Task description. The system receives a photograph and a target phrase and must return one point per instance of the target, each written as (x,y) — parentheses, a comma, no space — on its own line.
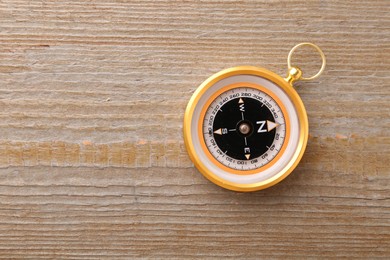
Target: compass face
(244,128)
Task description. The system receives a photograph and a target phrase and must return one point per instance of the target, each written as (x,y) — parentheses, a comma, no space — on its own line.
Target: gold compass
(246,128)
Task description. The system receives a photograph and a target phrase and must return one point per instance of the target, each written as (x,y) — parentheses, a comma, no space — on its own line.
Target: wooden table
(93,165)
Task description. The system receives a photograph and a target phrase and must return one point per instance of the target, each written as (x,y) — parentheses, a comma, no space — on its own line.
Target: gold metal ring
(319,51)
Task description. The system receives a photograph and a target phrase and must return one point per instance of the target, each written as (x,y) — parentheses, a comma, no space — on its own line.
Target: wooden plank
(92,160)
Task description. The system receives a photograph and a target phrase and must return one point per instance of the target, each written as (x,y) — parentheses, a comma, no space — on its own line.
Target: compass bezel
(287,89)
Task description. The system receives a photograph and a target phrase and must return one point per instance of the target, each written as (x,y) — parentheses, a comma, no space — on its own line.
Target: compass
(246,128)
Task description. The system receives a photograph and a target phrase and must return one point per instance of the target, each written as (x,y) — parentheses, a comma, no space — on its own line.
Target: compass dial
(244,128)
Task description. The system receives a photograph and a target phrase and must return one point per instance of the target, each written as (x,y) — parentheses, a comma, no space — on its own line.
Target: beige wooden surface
(92,161)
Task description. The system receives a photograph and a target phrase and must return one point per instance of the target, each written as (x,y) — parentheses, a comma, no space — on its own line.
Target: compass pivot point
(244,128)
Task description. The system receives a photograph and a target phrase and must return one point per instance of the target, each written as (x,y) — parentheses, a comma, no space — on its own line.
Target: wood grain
(92,160)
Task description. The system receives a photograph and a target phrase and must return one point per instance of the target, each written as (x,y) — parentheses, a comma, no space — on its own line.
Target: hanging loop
(294,73)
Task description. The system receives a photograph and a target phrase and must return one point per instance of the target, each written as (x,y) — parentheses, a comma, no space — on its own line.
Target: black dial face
(244,118)
(244,128)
